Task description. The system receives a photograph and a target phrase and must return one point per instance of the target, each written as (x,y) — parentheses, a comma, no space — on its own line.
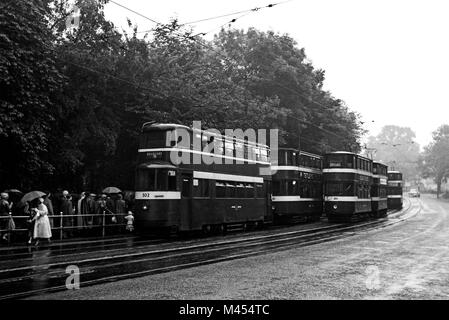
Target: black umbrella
(30,196)
(111,190)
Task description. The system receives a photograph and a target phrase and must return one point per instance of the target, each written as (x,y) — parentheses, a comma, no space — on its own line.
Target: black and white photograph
(224,155)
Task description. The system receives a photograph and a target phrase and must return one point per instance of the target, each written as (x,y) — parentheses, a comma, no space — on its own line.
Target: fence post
(104,222)
(60,226)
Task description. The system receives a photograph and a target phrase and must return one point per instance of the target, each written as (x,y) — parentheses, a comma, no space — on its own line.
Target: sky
(387,59)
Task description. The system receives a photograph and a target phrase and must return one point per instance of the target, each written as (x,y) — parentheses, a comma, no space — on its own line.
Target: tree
(395,146)
(28,85)
(435,162)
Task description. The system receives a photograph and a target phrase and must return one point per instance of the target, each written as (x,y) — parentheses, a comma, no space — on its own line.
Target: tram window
(220,189)
(239,150)
(218,145)
(292,187)
(240,190)
(230,189)
(260,190)
(339,189)
(276,188)
(186,188)
(249,190)
(202,188)
(229,148)
(264,154)
(153,139)
(146,179)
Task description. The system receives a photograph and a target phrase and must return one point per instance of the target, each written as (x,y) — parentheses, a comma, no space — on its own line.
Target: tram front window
(339,189)
(153,139)
(156,180)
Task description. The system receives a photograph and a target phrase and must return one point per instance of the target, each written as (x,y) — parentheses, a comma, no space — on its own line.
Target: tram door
(185,208)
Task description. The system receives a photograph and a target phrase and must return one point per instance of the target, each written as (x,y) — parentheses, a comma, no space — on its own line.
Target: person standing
(5,214)
(79,211)
(67,210)
(30,212)
(42,228)
(49,205)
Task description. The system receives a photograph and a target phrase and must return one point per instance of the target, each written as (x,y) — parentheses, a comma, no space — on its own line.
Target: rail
(69,225)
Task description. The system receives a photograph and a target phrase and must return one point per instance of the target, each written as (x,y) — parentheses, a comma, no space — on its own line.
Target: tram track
(46,277)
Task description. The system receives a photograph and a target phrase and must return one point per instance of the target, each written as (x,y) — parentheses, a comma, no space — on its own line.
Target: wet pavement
(409,260)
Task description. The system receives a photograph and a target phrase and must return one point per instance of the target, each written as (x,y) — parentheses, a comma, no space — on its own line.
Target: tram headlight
(144,208)
(335,207)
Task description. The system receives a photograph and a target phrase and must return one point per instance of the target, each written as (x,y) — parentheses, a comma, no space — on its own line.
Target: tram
(297,187)
(347,179)
(394,190)
(187,186)
(379,200)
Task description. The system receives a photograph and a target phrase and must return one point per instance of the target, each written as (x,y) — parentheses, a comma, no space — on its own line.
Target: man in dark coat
(67,210)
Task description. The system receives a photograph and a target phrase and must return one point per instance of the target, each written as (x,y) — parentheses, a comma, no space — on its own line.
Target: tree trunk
(438,188)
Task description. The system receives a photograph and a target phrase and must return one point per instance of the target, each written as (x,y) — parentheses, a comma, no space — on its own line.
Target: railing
(62,218)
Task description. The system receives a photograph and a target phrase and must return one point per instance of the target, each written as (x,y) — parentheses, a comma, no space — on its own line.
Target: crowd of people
(81,214)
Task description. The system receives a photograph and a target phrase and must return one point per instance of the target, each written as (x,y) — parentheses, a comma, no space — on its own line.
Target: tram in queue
(394,190)
(297,187)
(347,179)
(379,200)
(206,189)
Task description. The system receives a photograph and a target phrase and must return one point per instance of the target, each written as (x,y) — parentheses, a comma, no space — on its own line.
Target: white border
(292,198)
(295,168)
(345,199)
(227,177)
(157,195)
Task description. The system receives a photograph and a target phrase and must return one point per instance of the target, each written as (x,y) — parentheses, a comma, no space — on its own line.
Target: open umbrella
(30,196)
(111,190)
(13,191)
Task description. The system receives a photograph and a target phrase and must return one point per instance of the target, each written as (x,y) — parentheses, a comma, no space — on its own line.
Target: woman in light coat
(42,228)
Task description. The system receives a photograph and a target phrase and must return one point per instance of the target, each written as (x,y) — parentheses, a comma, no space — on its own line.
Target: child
(130,219)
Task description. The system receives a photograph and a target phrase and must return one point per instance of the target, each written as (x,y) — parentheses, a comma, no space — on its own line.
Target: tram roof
(150,126)
(157,165)
(393,171)
(381,163)
(350,153)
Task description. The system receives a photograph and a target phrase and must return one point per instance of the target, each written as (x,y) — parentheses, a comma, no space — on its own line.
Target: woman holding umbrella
(42,228)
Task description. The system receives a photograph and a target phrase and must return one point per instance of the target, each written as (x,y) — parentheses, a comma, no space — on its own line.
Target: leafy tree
(28,84)
(395,146)
(435,162)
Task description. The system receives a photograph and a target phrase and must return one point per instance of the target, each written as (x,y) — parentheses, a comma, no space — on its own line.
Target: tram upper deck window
(156,180)
(153,139)
(340,161)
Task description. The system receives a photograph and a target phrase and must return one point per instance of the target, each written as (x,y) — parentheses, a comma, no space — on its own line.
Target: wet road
(409,260)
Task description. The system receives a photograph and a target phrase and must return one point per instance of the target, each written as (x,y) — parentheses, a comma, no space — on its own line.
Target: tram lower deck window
(339,189)
(156,180)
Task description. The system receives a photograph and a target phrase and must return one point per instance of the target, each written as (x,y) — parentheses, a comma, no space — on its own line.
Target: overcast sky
(388,60)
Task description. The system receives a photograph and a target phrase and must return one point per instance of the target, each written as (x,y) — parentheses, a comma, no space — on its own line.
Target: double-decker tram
(189,179)
(394,190)
(347,179)
(379,190)
(297,186)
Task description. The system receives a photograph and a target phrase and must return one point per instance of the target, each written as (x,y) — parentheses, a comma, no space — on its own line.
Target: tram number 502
(243,309)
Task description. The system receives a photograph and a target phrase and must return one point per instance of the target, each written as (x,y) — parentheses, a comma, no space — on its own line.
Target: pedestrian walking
(42,228)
